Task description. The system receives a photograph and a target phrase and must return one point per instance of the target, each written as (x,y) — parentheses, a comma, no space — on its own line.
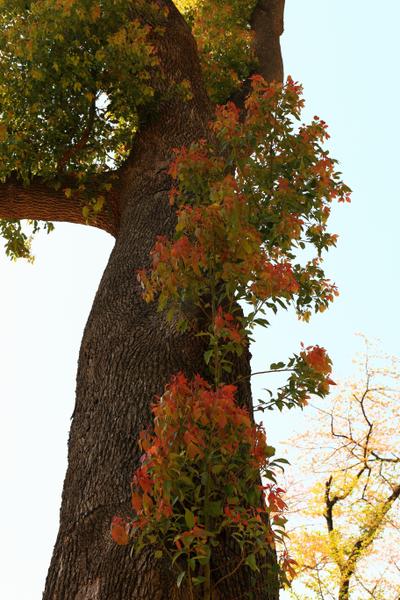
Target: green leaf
(189,518)
(208,356)
(281,460)
(185,480)
(203,560)
(179,579)
(170,314)
(269,451)
(217,469)
(176,556)
(229,490)
(213,509)
(98,205)
(251,562)
(275,366)
(261,322)
(253,497)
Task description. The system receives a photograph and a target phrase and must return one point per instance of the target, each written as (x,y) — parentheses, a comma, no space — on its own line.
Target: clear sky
(346,54)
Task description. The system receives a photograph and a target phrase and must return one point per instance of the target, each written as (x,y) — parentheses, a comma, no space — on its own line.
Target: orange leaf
(120,531)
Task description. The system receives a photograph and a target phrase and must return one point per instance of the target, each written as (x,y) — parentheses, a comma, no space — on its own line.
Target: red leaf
(120,531)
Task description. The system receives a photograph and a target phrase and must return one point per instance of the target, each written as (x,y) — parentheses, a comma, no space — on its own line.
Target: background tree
(346,539)
(94,98)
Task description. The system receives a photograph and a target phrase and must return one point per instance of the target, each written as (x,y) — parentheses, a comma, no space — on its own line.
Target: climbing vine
(250,200)
(200,479)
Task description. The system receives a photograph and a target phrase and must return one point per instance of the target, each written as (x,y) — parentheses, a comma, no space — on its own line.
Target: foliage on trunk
(95,99)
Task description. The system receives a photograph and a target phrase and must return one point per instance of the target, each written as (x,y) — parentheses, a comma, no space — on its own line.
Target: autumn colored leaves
(250,201)
(200,477)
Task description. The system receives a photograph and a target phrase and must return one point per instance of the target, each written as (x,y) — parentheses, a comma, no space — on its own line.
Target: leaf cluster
(73,75)
(199,481)
(249,203)
(225,42)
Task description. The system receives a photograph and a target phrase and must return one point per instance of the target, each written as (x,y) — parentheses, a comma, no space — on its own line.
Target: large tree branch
(267,24)
(41,202)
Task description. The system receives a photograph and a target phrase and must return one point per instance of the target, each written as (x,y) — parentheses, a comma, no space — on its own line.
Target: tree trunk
(128,353)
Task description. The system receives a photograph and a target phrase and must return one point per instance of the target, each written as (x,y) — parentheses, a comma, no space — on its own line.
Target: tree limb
(267,24)
(40,202)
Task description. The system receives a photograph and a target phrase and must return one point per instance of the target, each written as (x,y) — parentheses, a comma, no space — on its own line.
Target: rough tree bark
(128,351)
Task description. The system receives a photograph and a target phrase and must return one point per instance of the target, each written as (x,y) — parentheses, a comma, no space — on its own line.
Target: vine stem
(217,362)
(207,568)
(191,595)
(230,573)
(207,583)
(264,373)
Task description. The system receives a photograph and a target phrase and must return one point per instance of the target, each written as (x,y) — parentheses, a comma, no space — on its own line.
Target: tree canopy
(79,76)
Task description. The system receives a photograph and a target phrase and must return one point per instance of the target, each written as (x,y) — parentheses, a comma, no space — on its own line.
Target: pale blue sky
(346,53)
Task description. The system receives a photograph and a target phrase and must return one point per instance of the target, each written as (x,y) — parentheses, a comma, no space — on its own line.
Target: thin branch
(320,584)
(263,373)
(384,458)
(364,587)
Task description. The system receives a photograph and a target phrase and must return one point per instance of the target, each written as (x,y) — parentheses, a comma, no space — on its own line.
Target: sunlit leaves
(72,77)
(224,39)
(309,374)
(18,237)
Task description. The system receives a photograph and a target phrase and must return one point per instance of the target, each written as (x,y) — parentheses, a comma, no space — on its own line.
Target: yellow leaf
(3,132)
(95,12)
(98,205)
(36,74)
